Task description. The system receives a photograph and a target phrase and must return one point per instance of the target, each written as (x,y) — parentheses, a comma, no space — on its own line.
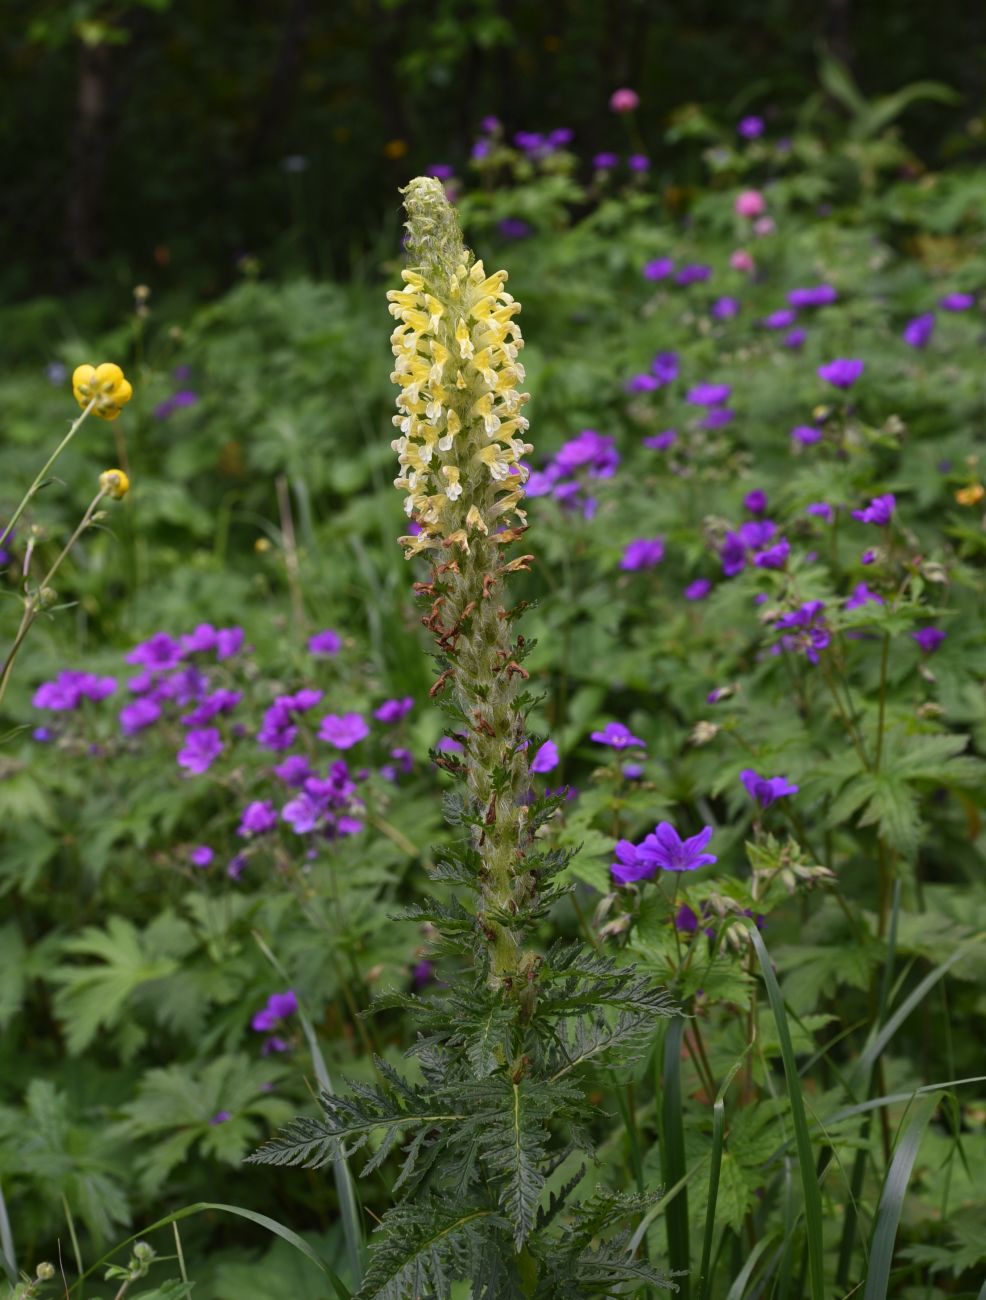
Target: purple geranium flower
(717,418)
(841,373)
(661,441)
(638,162)
(258,818)
(805,629)
(750,128)
(795,338)
(294,771)
(138,715)
(70,688)
(698,590)
(929,639)
(779,320)
(725,308)
(160,652)
(664,367)
(918,332)
(201,856)
(546,759)
(879,511)
(658,269)
(221,1117)
(325,643)
(343,730)
(394,710)
(667,850)
(201,749)
(773,557)
(806,435)
(818,295)
(616,735)
(605,161)
(821,510)
(693,273)
(708,394)
(957,302)
(644,553)
(279,1007)
(630,865)
(755,501)
(861,595)
(765,789)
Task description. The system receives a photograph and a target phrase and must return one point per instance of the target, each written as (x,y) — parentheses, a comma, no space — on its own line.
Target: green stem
(31,605)
(39,479)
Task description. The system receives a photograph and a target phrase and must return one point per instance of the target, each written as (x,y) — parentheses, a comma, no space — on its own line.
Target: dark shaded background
(169,137)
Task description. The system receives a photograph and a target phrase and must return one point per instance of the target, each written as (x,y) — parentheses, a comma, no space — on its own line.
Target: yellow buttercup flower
(114,483)
(970,496)
(105,385)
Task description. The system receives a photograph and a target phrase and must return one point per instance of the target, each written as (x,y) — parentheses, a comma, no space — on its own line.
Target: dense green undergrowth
(820,1105)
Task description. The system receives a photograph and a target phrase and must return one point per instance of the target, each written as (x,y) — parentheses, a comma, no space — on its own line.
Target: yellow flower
(103,385)
(970,496)
(114,482)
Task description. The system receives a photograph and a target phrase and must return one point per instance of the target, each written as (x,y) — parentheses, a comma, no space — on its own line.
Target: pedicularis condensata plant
(497,1128)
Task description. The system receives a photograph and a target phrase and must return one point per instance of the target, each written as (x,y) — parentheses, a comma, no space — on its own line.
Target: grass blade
(806,1164)
(884,1234)
(737,1290)
(278,1229)
(673,1156)
(352,1226)
(881,1037)
(7,1256)
(718,1139)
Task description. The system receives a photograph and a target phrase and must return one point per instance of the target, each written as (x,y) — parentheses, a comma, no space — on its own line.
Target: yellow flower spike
(971,495)
(114,483)
(105,386)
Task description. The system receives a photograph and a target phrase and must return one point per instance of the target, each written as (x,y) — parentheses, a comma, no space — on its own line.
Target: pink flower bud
(750,203)
(624,100)
(741,260)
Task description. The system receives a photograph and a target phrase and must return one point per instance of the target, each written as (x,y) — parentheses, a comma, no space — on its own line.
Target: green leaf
(884,1235)
(95,996)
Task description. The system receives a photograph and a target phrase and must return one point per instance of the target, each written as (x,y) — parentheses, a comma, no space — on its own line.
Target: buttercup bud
(114,483)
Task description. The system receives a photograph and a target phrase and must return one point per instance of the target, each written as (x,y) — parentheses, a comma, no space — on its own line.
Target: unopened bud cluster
(459,409)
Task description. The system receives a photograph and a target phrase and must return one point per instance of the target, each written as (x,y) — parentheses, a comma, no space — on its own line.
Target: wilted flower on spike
(105,386)
(460,421)
(114,483)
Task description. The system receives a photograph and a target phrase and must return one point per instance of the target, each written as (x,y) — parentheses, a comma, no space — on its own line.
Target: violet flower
(325,643)
(665,848)
(201,749)
(917,332)
(343,730)
(879,511)
(644,553)
(862,595)
(841,373)
(819,295)
(617,736)
(546,758)
(764,790)
(929,639)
